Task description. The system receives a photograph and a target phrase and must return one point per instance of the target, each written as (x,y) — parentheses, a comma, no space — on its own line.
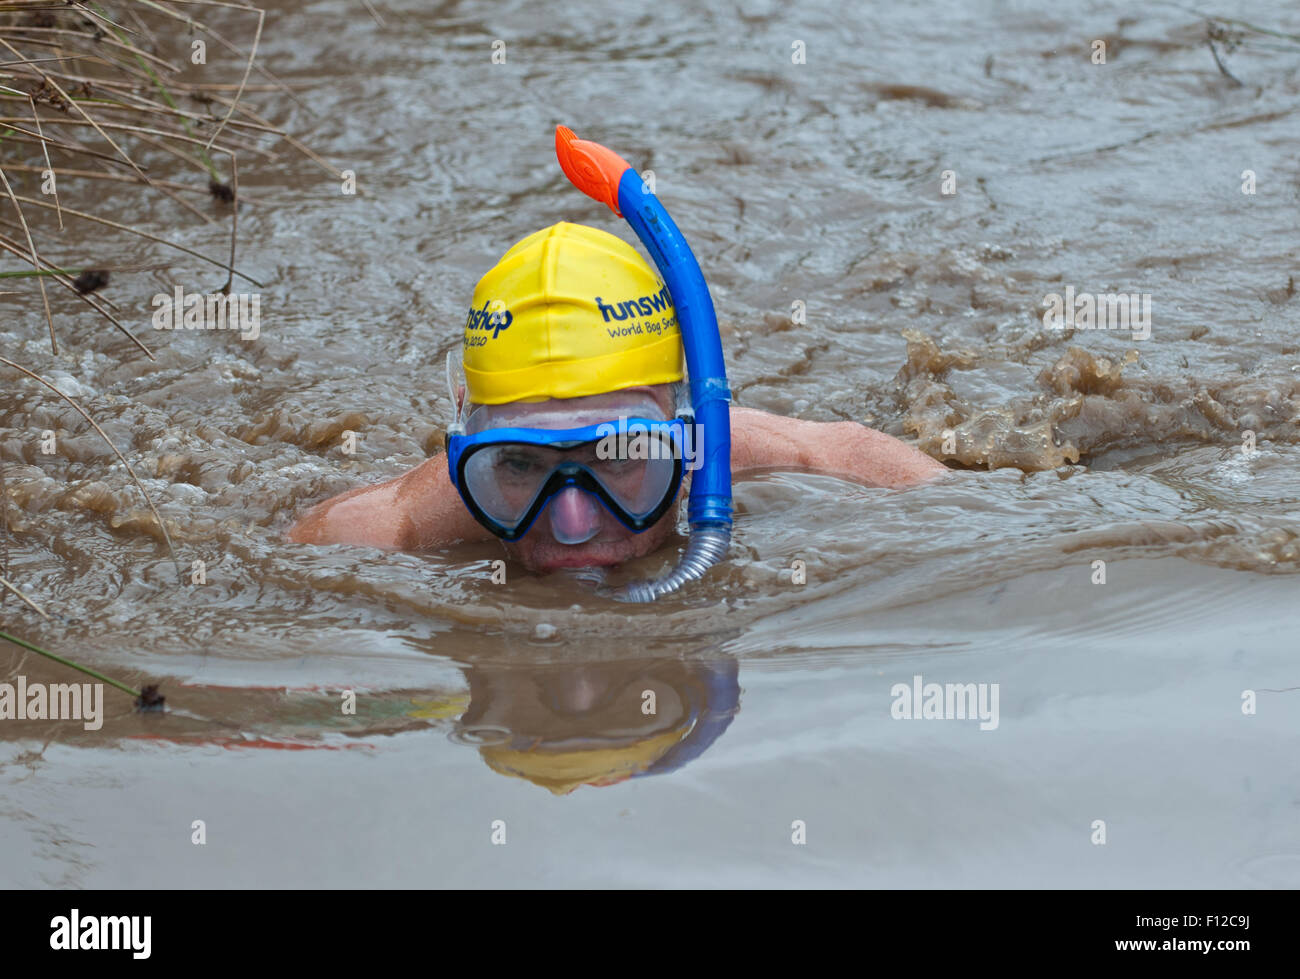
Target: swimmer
(572,338)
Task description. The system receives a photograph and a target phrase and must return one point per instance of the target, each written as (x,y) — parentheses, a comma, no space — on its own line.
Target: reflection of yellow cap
(564,771)
(452,705)
(569,311)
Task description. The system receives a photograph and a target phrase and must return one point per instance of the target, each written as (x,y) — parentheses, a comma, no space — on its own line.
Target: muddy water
(774,679)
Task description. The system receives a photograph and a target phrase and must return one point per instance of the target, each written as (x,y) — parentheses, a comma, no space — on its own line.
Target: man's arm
(419,509)
(760,440)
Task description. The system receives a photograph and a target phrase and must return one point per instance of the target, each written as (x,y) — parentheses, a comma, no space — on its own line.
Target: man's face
(575,530)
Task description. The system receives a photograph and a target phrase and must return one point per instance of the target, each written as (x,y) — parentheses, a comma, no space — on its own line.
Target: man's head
(571,329)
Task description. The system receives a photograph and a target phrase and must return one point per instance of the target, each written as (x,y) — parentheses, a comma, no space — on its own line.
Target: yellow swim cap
(564,771)
(570,311)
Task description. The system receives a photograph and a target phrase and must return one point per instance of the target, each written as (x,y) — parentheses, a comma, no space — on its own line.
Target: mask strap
(682,406)
(456,392)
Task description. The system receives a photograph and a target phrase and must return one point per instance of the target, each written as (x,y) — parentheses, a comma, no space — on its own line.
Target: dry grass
(93,96)
(87,96)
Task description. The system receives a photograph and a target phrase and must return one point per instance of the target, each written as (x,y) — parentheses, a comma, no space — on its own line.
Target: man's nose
(575,516)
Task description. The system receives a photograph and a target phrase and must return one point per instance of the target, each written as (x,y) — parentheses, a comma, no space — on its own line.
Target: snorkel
(604,176)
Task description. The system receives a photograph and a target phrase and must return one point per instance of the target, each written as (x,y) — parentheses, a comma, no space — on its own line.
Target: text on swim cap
(642,306)
(493,316)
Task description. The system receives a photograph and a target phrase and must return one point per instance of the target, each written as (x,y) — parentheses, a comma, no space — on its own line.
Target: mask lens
(637,470)
(505,479)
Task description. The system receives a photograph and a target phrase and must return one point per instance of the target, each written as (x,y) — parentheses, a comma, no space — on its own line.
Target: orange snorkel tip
(592,168)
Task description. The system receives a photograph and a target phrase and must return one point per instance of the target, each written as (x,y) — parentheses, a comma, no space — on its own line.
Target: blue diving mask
(510,462)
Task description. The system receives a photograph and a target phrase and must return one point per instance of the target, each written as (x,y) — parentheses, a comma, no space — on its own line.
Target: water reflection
(563,726)
(558,725)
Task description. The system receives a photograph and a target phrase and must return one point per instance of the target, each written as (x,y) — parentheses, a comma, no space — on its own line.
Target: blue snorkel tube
(604,176)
